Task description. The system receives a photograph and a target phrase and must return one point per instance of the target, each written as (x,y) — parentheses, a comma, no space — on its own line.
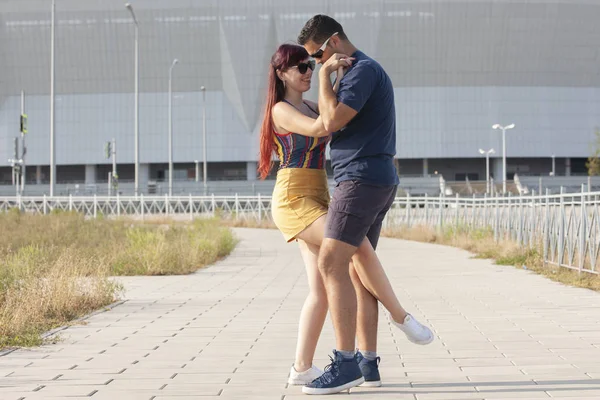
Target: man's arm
(335,115)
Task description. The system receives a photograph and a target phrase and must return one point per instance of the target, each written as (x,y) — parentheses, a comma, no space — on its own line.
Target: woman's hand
(338,78)
(336,62)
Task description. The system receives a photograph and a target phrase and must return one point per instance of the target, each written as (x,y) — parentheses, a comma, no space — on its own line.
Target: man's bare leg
(334,258)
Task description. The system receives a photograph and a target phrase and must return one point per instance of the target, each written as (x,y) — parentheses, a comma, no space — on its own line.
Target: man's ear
(335,41)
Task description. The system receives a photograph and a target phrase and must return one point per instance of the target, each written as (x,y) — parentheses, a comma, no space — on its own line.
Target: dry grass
(481,243)
(242,223)
(34,301)
(56,268)
(172,249)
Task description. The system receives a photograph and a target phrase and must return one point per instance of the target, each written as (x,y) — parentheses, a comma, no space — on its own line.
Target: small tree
(593,162)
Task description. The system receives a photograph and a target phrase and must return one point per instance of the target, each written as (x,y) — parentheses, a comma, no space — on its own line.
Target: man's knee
(331,263)
(334,257)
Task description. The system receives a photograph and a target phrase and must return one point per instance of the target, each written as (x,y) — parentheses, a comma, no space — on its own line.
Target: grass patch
(56,268)
(481,243)
(172,249)
(243,223)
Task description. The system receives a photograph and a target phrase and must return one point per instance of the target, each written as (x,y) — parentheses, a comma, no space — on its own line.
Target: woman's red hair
(286,56)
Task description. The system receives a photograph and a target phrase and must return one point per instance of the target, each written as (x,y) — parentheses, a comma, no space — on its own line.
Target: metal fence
(566,227)
(415,185)
(251,208)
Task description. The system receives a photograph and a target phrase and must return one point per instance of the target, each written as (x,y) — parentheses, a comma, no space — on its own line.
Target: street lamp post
(204,168)
(52,100)
(197,170)
(487,167)
(136,130)
(24,148)
(175,61)
(553,165)
(504,129)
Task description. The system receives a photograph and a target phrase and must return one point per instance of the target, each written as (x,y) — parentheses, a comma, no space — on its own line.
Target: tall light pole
(52,100)
(175,61)
(487,167)
(136,130)
(504,129)
(203,89)
(24,149)
(553,165)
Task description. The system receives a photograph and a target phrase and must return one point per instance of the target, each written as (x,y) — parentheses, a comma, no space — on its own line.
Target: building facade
(458,67)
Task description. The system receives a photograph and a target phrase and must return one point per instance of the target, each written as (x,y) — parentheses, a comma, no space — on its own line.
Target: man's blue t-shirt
(364,149)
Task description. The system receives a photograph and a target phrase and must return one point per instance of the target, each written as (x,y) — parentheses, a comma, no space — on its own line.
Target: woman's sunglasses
(303,67)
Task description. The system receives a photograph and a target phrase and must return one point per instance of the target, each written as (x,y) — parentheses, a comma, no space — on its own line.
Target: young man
(363,117)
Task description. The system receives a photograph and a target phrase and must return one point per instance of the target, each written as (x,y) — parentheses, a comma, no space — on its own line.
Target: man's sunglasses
(319,53)
(303,67)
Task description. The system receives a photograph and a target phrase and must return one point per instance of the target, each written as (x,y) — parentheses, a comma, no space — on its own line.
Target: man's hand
(336,62)
(334,115)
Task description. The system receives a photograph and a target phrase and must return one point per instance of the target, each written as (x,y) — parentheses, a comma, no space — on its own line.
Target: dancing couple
(338,236)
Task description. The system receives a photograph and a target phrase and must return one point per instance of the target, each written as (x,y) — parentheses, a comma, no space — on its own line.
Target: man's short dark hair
(319,28)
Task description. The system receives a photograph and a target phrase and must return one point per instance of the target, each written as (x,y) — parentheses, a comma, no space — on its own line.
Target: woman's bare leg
(372,286)
(368,268)
(314,311)
(373,277)
(367,315)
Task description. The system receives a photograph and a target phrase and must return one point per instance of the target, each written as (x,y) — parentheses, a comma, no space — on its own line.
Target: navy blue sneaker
(370,370)
(342,374)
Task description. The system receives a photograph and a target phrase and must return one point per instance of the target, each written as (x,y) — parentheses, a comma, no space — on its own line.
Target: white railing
(565,226)
(239,207)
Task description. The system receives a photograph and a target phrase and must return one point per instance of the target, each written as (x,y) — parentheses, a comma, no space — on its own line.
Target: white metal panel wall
(458,67)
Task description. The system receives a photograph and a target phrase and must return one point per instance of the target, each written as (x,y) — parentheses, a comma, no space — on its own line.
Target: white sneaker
(414,330)
(304,378)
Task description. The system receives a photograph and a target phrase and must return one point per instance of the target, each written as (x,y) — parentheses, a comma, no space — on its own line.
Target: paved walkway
(228,332)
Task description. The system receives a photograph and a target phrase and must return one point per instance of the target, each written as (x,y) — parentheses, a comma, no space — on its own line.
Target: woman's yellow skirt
(300,197)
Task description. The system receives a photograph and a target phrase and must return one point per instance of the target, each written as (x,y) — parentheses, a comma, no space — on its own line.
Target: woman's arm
(338,78)
(291,120)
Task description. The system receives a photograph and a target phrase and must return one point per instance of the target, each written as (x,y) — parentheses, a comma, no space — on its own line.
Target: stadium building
(458,67)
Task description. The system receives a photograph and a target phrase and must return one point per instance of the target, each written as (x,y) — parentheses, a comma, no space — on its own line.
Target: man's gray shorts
(357,210)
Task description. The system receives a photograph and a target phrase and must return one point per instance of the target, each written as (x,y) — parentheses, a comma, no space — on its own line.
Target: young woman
(293,130)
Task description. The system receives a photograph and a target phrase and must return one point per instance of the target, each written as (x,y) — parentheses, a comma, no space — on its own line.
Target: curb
(54,331)
(6,352)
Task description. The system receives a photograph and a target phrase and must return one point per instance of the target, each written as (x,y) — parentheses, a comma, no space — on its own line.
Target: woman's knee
(318,297)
